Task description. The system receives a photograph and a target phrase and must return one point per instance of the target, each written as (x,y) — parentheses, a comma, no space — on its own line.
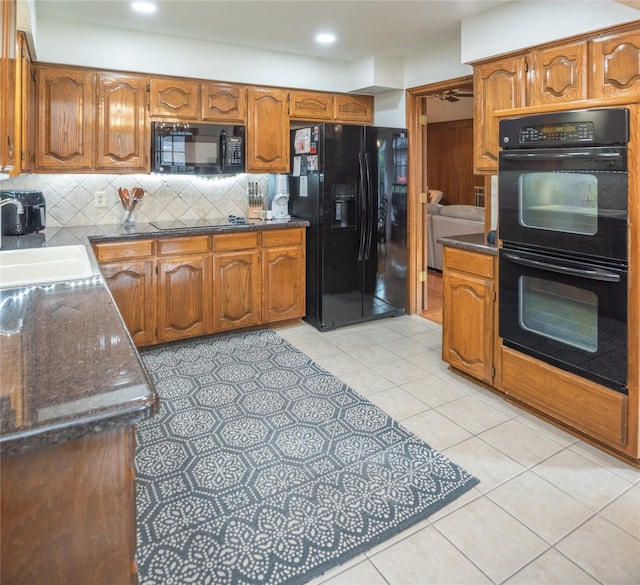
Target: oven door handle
(548,155)
(591,273)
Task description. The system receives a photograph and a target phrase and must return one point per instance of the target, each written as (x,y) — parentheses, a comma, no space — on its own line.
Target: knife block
(255,212)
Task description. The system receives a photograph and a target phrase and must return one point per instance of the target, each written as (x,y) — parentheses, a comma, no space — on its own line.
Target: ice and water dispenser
(344,206)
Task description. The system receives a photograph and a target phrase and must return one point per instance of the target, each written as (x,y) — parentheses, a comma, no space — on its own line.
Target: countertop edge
(472,242)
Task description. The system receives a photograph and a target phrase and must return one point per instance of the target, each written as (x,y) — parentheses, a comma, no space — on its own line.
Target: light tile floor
(549,508)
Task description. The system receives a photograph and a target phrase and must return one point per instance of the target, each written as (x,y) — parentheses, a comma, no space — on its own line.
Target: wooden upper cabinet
(615,65)
(498,85)
(268,130)
(8,153)
(121,131)
(558,74)
(66,119)
(223,102)
(357,109)
(174,98)
(28,106)
(314,105)
(311,105)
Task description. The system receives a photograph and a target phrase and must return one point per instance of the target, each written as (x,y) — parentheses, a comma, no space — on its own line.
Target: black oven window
(565,313)
(562,202)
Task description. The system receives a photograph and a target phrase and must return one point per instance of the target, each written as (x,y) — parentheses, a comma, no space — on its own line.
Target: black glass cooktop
(191,224)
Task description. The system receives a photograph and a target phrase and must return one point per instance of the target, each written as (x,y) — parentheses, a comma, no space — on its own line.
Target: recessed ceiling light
(326,38)
(145,7)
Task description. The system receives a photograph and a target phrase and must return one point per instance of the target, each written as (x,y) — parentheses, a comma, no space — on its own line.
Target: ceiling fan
(452,95)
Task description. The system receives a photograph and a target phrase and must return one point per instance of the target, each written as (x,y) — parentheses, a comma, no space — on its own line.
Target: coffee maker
(278,199)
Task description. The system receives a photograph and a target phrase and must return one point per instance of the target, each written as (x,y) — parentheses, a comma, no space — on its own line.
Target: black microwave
(197,149)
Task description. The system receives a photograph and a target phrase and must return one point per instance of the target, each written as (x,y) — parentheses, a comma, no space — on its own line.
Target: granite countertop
(69,366)
(472,242)
(62,236)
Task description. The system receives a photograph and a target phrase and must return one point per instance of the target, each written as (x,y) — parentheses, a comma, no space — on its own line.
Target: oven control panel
(592,127)
(580,132)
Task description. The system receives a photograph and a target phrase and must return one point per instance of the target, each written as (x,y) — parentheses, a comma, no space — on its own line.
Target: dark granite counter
(63,236)
(69,366)
(472,242)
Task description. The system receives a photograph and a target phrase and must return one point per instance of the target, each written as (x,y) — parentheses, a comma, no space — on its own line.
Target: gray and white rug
(262,468)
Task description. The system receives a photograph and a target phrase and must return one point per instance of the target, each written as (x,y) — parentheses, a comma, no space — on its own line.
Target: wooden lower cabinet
(236,297)
(132,286)
(236,278)
(184,297)
(68,512)
(174,288)
(283,275)
(468,312)
(129,271)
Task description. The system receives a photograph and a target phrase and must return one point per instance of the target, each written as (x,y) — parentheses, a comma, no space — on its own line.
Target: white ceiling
(380,28)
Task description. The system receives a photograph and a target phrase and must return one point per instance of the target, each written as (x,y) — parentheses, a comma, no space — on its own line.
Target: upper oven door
(573,200)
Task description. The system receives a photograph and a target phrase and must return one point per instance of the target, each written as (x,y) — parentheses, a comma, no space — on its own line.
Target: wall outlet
(100,198)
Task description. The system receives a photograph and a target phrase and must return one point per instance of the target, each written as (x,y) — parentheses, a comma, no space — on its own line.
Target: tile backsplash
(71,198)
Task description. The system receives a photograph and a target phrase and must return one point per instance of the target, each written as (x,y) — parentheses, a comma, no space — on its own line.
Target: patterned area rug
(263,468)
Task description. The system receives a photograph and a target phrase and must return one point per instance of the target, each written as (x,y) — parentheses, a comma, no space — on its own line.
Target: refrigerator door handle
(363,206)
(369,196)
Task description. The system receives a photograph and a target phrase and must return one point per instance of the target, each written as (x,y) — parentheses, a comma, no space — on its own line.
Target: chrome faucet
(15,202)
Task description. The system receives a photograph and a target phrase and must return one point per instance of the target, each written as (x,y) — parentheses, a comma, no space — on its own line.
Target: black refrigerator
(350,183)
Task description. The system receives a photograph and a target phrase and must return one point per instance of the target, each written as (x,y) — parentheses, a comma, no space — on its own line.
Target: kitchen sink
(39,265)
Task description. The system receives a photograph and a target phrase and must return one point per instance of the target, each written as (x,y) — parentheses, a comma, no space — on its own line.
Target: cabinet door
(268,130)
(283,283)
(28,105)
(558,74)
(357,109)
(499,85)
(615,65)
(184,296)
(174,98)
(121,129)
(132,284)
(236,289)
(8,87)
(224,103)
(66,119)
(467,324)
(311,105)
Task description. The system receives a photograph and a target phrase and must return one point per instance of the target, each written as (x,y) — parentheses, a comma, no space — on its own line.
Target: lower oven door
(568,313)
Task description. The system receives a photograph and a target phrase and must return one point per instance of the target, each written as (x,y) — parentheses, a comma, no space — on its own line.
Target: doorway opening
(440,119)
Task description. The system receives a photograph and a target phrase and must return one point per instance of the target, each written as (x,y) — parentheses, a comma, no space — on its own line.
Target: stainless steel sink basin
(39,265)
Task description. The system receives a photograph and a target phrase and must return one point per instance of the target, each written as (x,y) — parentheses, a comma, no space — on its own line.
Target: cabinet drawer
(466,261)
(282,237)
(109,251)
(183,245)
(237,241)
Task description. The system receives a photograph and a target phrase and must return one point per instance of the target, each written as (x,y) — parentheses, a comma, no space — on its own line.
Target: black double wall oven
(563,222)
